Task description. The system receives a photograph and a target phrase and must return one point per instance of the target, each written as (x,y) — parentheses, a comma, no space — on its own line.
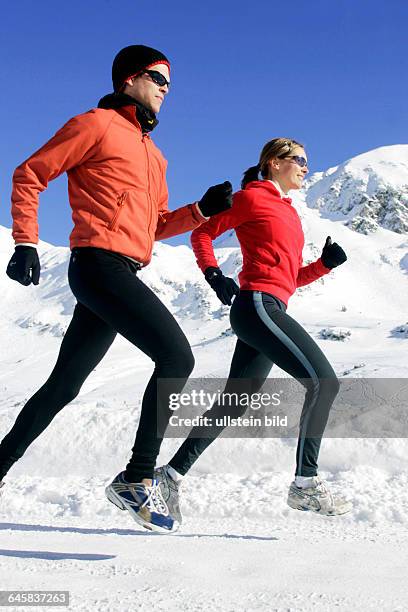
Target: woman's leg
(261,321)
(85,343)
(105,283)
(247,363)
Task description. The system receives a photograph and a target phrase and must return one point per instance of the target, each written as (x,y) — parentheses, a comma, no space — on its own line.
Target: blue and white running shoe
(144,503)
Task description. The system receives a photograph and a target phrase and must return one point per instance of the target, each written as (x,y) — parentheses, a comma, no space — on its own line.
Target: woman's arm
(313,271)
(331,257)
(203,236)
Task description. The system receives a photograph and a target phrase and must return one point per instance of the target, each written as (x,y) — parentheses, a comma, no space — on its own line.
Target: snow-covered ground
(240,546)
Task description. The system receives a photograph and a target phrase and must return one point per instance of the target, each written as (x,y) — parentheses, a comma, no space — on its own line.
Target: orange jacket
(116,183)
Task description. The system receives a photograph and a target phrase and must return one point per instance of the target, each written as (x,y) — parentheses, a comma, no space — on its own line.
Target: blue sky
(332,74)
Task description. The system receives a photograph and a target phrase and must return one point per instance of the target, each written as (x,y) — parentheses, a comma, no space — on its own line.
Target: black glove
(332,254)
(216,199)
(224,287)
(24,261)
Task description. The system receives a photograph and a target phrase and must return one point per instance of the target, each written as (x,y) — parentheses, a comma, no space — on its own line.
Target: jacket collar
(270,187)
(278,187)
(131,109)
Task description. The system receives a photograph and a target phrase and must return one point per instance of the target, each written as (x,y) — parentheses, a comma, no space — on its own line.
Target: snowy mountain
(234,500)
(367,191)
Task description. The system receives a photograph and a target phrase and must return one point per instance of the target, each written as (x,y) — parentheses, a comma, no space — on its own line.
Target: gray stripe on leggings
(284,338)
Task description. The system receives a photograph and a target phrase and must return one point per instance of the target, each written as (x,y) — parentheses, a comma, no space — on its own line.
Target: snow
(267,558)
(240,546)
(377,167)
(369,191)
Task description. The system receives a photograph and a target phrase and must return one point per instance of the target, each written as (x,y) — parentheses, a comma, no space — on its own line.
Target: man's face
(146,91)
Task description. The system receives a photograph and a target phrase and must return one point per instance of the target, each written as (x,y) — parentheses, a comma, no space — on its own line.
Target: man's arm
(174,222)
(71,145)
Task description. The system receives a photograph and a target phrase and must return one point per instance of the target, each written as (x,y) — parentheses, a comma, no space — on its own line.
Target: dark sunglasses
(298,159)
(157,78)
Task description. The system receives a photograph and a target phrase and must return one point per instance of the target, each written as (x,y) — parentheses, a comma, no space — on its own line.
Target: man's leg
(85,343)
(108,287)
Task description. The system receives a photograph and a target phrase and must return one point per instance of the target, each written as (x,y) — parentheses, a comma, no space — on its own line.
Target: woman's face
(287,172)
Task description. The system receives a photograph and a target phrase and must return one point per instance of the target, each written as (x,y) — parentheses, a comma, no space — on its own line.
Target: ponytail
(278,147)
(252,174)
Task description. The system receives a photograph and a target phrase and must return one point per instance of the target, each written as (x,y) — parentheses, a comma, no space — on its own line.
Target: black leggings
(267,335)
(111,300)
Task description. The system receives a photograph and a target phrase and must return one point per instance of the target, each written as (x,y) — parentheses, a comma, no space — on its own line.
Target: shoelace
(322,487)
(154,500)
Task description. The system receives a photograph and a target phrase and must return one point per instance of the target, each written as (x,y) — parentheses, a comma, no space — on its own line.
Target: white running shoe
(144,503)
(170,491)
(317,498)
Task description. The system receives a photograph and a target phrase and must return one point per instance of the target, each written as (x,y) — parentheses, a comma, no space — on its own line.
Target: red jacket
(116,183)
(271,237)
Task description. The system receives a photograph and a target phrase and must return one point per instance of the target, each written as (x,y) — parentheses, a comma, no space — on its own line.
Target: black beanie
(133,59)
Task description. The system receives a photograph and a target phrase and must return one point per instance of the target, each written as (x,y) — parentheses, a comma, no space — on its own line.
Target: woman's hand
(24,267)
(224,287)
(332,254)
(216,199)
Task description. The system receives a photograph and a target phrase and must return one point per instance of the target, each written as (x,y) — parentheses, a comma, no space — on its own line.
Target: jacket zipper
(148,195)
(120,205)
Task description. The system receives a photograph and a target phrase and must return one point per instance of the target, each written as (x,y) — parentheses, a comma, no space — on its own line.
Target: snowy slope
(369,191)
(241,548)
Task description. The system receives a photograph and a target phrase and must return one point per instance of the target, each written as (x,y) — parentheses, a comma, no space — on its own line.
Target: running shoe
(317,498)
(170,491)
(144,503)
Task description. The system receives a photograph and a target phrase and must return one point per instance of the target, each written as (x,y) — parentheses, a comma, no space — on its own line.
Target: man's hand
(216,199)
(332,254)
(224,287)
(24,267)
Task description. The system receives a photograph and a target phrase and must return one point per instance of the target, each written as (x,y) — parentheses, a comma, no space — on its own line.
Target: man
(118,195)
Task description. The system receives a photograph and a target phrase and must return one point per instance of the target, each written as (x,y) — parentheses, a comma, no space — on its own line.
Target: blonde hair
(277,147)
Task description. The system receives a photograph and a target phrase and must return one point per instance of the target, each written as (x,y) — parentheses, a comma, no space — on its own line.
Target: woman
(118,194)
(271,238)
